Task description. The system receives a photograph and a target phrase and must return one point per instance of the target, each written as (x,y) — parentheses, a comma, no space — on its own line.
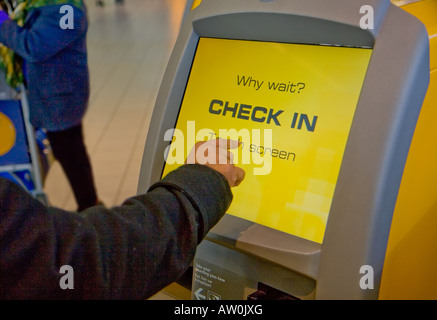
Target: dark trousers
(69,149)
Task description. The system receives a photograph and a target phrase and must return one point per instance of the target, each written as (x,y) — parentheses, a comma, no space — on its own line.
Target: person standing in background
(51,40)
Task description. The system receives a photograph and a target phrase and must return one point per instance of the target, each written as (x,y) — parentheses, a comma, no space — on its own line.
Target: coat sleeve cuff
(207,190)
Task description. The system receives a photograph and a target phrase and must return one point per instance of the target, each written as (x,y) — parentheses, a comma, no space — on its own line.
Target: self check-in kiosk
(325,96)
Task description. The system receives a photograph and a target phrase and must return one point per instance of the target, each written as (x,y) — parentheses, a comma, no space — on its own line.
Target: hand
(216,155)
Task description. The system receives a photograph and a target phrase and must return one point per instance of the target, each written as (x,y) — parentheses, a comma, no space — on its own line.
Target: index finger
(227,143)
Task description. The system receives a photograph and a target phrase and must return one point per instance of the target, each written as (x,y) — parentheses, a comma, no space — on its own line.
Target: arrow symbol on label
(198,294)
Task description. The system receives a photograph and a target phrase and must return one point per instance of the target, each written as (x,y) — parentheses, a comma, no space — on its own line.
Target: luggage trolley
(25,154)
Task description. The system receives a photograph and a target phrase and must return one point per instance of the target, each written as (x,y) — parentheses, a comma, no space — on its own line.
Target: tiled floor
(129,46)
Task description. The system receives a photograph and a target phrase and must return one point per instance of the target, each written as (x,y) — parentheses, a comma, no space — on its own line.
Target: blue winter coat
(56,65)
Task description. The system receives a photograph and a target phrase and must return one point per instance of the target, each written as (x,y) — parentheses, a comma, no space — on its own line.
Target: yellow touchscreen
(292,107)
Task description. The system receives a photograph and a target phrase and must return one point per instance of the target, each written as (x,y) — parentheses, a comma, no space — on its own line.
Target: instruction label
(211,282)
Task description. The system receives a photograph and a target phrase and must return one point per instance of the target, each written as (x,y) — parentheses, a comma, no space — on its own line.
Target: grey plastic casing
(359,222)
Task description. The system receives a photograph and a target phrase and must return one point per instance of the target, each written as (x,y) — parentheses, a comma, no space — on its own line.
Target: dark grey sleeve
(126,252)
